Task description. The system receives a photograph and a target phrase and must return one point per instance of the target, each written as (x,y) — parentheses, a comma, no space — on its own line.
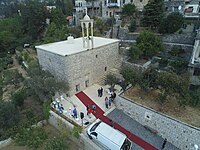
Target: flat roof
(64,48)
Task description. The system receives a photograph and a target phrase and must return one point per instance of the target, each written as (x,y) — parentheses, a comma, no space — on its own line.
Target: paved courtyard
(115,114)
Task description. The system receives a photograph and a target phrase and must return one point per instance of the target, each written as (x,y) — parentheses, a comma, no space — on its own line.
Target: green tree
(131,76)
(128,10)
(171,23)
(34,15)
(9,117)
(42,84)
(57,17)
(149,44)
(132,26)
(135,53)
(111,80)
(100,25)
(173,84)
(55,34)
(32,137)
(66,6)
(176,51)
(153,13)
(11,34)
(19,97)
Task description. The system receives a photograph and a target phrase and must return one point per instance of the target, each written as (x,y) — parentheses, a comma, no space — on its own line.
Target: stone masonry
(86,66)
(178,133)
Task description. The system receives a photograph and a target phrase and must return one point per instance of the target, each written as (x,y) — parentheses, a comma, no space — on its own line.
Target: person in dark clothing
(101,92)
(164,143)
(114,95)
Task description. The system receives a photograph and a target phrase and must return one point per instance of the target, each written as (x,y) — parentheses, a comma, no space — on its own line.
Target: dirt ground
(171,108)
(52,132)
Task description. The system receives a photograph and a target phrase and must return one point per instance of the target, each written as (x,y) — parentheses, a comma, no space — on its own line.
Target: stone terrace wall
(168,38)
(83,141)
(179,38)
(178,133)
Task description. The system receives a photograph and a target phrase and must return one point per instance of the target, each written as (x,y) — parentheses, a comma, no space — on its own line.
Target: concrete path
(136,128)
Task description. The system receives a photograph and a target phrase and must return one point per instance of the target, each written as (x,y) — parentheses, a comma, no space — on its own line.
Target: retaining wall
(178,133)
(83,141)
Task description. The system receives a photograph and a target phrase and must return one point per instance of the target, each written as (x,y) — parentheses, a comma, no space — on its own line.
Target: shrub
(135,53)
(76,131)
(19,97)
(57,143)
(32,137)
(132,26)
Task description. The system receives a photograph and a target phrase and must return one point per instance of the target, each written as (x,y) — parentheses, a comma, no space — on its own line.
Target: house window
(96,56)
(105,68)
(140,0)
(123,1)
(110,14)
(106,13)
(105,3)
(77,87)
(131,1)
(86,83)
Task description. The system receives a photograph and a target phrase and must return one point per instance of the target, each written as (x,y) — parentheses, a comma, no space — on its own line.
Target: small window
(131,1)
(77,87)
(105,68)
(110,14)
(105,3)
(106,13)
(96,56)
(123,1)
(140,0)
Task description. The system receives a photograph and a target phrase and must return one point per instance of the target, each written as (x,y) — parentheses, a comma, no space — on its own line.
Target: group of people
(100,92)
(58,106)
(109,101)
(73,112)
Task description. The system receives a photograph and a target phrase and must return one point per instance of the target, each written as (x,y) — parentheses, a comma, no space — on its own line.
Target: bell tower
(87,31)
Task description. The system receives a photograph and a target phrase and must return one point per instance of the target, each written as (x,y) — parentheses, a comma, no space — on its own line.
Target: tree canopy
(42,84)
(9,116)
(128,9)
(153,13)
(171,23)
(34,15)
(149,44)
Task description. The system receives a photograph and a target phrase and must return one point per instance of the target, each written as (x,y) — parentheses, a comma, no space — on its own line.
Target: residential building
(82,6)
(82,61)
(194,64)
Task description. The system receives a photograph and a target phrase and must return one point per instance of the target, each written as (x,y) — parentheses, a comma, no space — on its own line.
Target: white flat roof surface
(66,48)
(109,132)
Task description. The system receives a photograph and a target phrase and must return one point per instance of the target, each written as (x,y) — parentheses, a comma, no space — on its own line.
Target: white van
(108,137)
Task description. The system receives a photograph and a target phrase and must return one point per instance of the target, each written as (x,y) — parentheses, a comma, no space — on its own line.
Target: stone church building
(82,61)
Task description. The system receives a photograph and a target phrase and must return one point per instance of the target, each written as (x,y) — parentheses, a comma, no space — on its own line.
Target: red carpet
(99,114)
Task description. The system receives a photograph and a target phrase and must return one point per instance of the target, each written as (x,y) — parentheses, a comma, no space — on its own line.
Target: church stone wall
(54,63)
(77,68)
(90,65)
